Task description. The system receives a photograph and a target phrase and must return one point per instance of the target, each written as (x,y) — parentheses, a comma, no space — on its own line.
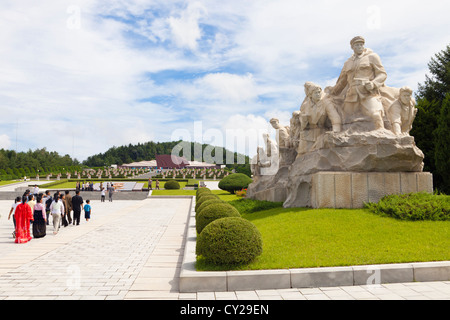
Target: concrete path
(134,250)
(22,184)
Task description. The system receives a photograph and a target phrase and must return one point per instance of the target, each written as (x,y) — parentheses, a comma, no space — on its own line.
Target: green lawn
(224,195)
(6,182)
(300,238)
(62,185)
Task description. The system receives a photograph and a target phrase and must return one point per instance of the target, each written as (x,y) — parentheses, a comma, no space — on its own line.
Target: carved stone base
(353,189)
(378,151)
(271,194)
(343,170)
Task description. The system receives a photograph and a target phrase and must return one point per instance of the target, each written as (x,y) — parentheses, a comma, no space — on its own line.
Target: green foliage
(206,203)
(17,165)
(232,240)
(201,191)
(213,212)
(31,161)
(413,206)
(437,85)
(426,120)
(130,153)
(234,182)
(50,185)
(243,168)
(442,146)
(200,199)
(245,206)
(432,120)
(172,185)
(148,150)
(309,238)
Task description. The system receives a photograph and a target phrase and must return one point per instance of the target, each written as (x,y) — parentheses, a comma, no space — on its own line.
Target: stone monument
(348,144)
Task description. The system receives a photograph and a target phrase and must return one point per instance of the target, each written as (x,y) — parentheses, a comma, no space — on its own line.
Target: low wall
(352,189)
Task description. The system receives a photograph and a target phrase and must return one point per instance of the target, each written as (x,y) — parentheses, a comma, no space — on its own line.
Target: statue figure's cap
(357,39)
(406,89)
(310,86)
(274,120)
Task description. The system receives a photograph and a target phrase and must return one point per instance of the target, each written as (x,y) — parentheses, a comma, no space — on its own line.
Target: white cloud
(5,141)
(243,133)
(228,87)
(185,29)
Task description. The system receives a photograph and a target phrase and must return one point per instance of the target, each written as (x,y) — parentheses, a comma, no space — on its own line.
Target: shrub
(413,206)
(232,240)
(172,185)
(251,205)
(234,182)
(200,199)
(213,212)
(201,191)
(206,203)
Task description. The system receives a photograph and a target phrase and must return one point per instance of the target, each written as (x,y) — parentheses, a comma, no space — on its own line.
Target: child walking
(87,210)
(103,194)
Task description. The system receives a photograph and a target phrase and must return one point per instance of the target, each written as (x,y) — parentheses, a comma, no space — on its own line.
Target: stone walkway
(133,250)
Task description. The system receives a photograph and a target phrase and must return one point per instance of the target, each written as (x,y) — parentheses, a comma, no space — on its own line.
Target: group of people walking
(35,209)
(150,184)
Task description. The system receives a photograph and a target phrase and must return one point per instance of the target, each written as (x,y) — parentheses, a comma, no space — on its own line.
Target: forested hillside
(14,165)
(148,151)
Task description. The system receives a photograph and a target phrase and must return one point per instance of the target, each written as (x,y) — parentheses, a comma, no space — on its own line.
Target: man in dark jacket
(77,206)
(68,205)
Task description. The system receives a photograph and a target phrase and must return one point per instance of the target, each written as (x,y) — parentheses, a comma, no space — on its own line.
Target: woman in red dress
(23,215)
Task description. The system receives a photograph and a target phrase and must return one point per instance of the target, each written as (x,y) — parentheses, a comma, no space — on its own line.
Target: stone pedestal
(353,189)
(275,194)
(270,187)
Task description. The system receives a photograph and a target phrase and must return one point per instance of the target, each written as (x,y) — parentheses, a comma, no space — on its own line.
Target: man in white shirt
(36,190)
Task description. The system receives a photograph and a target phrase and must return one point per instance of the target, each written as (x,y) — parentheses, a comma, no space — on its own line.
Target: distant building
(201,165)
(167,161)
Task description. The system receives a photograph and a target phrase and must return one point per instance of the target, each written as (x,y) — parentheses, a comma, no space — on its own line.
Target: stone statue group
(360,101)
(358,125)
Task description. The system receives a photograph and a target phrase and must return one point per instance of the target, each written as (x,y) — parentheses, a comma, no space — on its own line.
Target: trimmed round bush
(171,185)
(206,203)
(235,182)
(201,191)
(213,212)
(204,197)
(232,240)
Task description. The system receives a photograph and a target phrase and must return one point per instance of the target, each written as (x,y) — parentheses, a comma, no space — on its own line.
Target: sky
(81,76)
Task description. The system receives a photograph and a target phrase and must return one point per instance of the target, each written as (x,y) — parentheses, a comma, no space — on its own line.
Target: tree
(432,121)
(148,151)
(426,119)
(235,182)
(437,86)
(442,146)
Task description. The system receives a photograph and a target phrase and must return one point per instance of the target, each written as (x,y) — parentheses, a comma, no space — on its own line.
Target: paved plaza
(133,249)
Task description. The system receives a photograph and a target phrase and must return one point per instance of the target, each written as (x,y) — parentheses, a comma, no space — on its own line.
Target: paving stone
(317,296)
(247,295)
(206,296)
